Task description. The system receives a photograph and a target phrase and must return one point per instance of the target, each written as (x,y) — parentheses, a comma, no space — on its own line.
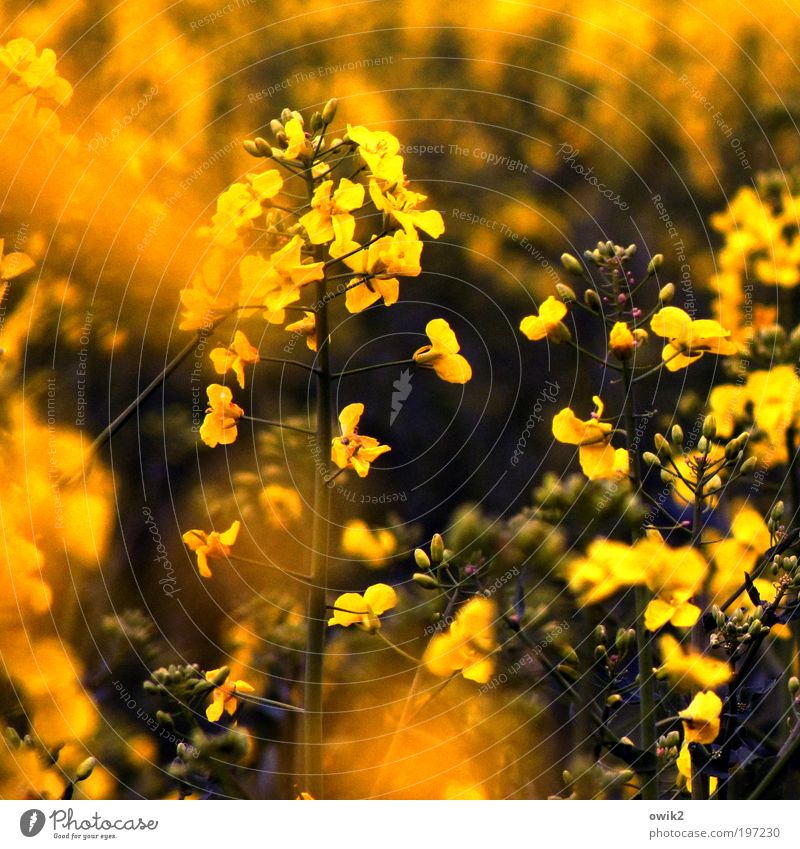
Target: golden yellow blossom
(282,504)
(597,457)
(36,71)
(442,354)
(363,610)
(220,426)
(689,669)
(240,354)
(684,764)
(239,205)
(299,144)
(306,326)
(548,323)
(223,698)
(276,282)
(211,546)
(701,719)
(688,339)
(327,205)
(399,204)
(12,265)
(621,341)
(351,450)
(380,150)
(373,547)
(468,644)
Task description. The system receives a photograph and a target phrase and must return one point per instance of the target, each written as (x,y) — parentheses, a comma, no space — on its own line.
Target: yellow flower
(239,205)
(738,553)
(220,424)
(691,670)
(701,719)
(240,353)
(282,504)
(548,323)
(606,568)
(621,341)
(686,464)
(597,457)
(351,450)
(363,610)
(380,151)
(381,262)
(302,796)
(211,546)
(468,644)
(373,547)
(326,205)
(12,265)
(306,326)
(36,72)
(674,608)
(275,283)
(223,698)
(442,354)
(689,339)
(400,204)
(299,146)
(684,764)
(208,297)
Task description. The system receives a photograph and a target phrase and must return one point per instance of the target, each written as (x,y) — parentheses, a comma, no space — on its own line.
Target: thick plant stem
(644,649)
(313,737)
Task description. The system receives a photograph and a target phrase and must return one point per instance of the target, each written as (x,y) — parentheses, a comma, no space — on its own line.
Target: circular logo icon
(31,822)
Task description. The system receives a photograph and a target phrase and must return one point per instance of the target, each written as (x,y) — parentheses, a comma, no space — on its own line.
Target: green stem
(644,648)
(313,736)
(339,374)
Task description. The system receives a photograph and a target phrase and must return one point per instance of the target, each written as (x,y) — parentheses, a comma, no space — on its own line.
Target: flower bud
(663,448)
(329,112)
(613,700)
(566,293)
(676,435)
(778,510)
(654,264)
(315,123)
(427,582)
(592,300)
(421,559)
(794,686)
(250,147)
(85,769)
(702,445)
(621,341)
(666,477)
(221,677)
(572,265)
(437,548)
(651,459)
(276,127)
(710,427)
(666,293)
(749,465)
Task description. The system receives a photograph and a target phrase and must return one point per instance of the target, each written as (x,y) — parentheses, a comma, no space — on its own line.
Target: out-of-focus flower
(223,698)
(701,719)
(282,504)
(597,457)
(363,610)
(772,399)
(688,339)
(327,205)
(686,465)
(12,265)
(691,669)
(351,450)
(211,545)
(399,204)
(606,568)
(373,547)
(380,151)
(220,426)
(36,71)
(548,323)
(306,326)
(240,354)
(684,764)
(675,609)
(442,354)
(468,644)
(302,796)
(26,773)
(209,294)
